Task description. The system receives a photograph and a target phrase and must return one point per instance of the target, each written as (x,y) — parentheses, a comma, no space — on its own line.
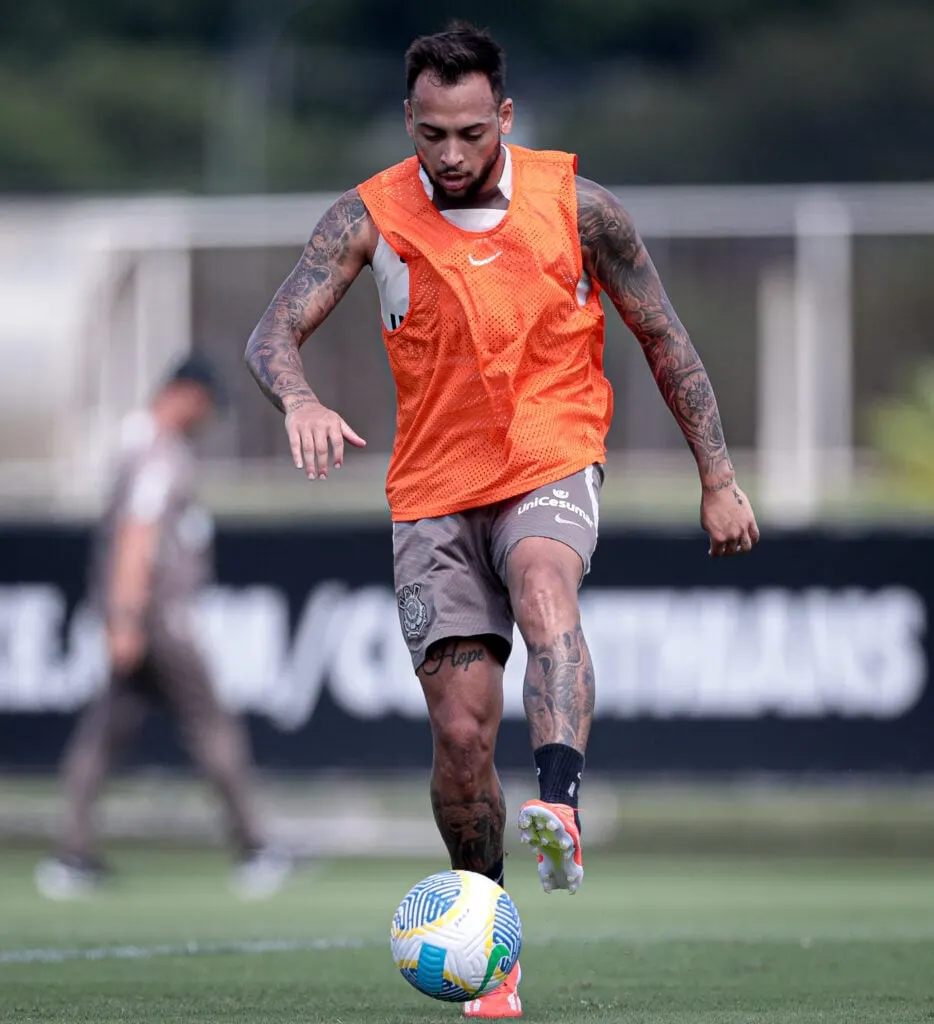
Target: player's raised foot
(69,877)
(552,831)
(501,1002)
(262,873)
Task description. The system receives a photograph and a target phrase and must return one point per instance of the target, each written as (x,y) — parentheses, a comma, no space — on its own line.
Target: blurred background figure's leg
(100,736)
(217,742)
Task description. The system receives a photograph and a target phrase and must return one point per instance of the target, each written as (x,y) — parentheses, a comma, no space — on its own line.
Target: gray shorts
(450,571)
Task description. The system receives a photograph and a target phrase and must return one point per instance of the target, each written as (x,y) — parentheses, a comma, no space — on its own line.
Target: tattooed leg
(559,680)
(559,690)
(471,826)
(463,686)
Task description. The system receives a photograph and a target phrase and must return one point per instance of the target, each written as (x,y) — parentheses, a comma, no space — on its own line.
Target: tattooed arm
(335,254)
(616,258)
(341,244)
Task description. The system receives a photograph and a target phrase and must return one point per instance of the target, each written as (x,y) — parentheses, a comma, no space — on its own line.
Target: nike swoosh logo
(567,522)
(482,263)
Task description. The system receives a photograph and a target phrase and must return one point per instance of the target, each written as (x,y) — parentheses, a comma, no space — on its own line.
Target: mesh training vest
(498,369)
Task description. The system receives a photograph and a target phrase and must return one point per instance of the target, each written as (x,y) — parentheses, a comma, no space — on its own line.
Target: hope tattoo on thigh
(459,657)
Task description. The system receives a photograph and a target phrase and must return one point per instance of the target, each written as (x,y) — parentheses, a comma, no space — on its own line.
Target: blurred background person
(150,559)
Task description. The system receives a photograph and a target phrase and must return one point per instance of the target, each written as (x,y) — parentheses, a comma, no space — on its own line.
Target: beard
(478,185)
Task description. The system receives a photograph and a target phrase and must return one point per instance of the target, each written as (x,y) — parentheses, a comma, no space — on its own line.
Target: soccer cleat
(69,877)
(551,829)
(501,1002)
(262,873)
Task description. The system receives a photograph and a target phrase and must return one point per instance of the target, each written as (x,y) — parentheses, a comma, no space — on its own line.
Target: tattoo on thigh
(455,654)
(472,831)
(559,691)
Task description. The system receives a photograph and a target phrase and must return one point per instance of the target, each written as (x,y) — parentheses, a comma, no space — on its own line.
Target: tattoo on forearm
(317,283)
(559,691)
(472,830)
(615,256)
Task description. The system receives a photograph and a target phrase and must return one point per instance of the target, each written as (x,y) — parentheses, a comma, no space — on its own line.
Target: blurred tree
(902,431)
(293,94)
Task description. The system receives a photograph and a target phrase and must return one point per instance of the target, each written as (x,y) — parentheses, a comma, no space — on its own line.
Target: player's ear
(505,116)
(409,120)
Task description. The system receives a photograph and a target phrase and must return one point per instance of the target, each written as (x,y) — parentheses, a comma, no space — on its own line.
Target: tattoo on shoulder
(330,262)
(320,279)
(339,225)
(605,227)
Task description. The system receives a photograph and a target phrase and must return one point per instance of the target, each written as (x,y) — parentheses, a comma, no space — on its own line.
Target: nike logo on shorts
(568,522)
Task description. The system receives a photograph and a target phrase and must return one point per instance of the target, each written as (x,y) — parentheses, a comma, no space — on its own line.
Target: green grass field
(666,941)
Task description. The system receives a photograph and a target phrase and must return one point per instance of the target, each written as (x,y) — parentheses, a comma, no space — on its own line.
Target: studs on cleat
(548,834)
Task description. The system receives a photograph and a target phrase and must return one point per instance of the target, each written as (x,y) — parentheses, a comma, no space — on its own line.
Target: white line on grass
(923,932)
(57,956)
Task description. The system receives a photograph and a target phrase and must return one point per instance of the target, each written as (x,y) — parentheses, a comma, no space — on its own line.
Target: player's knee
(464,747)
(546,602)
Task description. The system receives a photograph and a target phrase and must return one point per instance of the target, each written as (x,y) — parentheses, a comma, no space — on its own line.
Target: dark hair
(460,50)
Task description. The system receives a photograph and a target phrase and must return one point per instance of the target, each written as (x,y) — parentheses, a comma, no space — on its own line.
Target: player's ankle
(559,767)
(496,873)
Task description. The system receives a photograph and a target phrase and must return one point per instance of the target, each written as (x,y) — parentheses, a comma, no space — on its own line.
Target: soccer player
(489,261)
(151,557)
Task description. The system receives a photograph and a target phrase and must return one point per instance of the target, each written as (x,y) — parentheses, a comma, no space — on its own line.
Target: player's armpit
(615,256)
(341,244)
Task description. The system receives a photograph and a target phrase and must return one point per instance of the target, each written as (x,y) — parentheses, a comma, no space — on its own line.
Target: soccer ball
(456,936)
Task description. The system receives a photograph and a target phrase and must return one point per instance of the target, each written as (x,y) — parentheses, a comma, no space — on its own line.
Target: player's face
(456,130)
(195,407)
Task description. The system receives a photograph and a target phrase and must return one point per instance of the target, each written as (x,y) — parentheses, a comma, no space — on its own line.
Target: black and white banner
(812,654)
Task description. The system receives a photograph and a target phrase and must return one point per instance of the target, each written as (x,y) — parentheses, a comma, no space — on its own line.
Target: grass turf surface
(644,942)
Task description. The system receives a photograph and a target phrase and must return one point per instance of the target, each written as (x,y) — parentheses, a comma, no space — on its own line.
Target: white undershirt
(392,275)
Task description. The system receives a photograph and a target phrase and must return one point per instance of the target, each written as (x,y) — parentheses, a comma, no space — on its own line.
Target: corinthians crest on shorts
(413,611)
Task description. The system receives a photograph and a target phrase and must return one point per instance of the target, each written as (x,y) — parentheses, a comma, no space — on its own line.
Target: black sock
(559,768)
(496,873)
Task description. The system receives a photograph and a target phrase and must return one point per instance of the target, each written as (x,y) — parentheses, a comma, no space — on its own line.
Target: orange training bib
(498,368)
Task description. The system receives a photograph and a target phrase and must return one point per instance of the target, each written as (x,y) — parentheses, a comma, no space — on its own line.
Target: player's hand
(126,645)
(728,518)
(315,433)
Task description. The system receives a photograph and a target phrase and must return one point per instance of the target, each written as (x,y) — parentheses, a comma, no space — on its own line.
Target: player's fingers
(321,451)
(754,532)
(744,544)
(732,545)
(295,443)
(352,436)
(308,452)
(337,444)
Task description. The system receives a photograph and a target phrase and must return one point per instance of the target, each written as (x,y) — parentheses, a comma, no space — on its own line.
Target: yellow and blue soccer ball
(456,936)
